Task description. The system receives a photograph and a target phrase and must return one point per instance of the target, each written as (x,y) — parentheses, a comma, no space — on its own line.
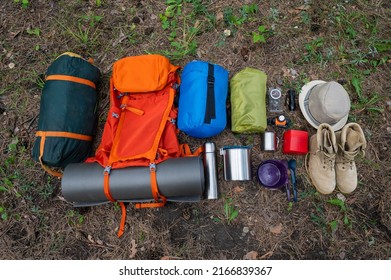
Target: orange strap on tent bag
(44,134)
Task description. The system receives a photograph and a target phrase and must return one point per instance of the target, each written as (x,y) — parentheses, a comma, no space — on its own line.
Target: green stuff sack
(248,101)
(67,113)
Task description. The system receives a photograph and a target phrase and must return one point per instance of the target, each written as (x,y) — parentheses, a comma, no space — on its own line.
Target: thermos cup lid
(210,147)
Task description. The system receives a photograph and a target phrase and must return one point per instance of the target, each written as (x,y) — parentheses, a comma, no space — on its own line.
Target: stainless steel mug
(210,171)
(269,141)
(237,163)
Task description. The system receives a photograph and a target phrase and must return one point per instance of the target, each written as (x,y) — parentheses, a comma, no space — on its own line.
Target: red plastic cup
(295,142)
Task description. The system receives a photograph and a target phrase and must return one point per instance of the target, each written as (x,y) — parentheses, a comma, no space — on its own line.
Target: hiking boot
(351,141)
(323,149)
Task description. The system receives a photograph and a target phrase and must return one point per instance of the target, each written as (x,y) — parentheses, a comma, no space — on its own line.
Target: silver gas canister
(210,171)
(237,163)
(269,141)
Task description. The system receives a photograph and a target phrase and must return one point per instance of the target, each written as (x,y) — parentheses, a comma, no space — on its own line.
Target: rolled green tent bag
(67,112)
(248,101)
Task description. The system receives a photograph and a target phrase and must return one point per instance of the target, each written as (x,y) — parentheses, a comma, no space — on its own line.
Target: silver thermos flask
(210,171)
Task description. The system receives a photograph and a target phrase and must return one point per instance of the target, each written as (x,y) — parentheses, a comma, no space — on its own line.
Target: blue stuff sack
(202,101)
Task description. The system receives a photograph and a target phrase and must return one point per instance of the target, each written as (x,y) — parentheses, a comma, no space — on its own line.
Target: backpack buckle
(152,166)
(175,86)
(211,80)
(107,170)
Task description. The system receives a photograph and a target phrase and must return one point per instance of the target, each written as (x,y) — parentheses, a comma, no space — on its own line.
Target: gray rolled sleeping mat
(179,179)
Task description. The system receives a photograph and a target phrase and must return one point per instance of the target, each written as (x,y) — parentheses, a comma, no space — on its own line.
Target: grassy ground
(292,41)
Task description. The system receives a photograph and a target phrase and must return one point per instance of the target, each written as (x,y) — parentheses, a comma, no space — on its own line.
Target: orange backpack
(141,125)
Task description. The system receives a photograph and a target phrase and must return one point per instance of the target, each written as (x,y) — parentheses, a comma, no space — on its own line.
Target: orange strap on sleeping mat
(160,200)
(123,219)
(106,189)
(106,184)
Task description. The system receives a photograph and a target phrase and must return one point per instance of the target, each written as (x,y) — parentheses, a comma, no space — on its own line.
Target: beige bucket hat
(324,102)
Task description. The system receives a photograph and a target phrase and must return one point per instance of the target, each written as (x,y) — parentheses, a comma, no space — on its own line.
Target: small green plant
(171,14)
(369,104)
(187,45)
(343,209)
(318,217)
(305,17)
(352,34)
(360,31)
(358,57)
(27,189)
(40,82)
(230,211)
(199,8)
(378,52)
(246,14)
(132,34)
(85,35)
(3,187)
(98,3)
(313,50)
(382,45)
(333,226)
(24,3)
(142,237)
(47,190)
(297,83)
(3,213)
(8,174)
(36,210)
(34,31)
(37,79)
(356,81)
(290,207)
(363,102)
(92,19)
(74,218)
(117,207)
(260,34)
(182,29)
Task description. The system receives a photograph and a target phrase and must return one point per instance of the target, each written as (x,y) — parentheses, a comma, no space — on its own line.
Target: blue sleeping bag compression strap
(210,112)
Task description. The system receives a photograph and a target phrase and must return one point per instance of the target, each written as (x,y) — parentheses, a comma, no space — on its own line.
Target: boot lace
(328,160)
(348,157)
